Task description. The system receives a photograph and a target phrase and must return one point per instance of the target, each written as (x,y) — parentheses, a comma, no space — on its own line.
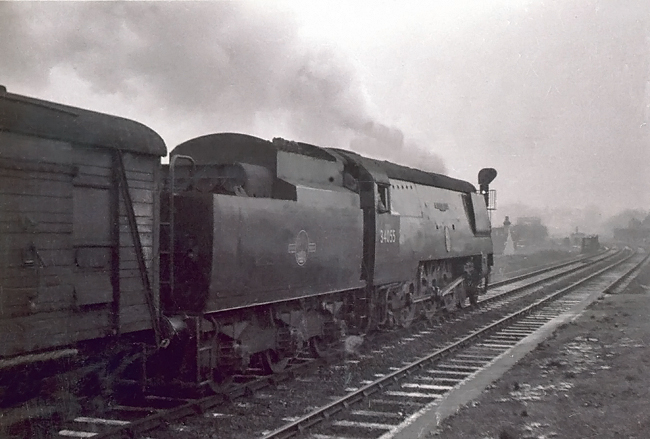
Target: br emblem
(302,247)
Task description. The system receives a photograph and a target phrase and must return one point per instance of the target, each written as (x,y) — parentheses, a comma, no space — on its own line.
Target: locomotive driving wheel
(401,306)
(473,280)
(433,276)
(430,308)
(444,276)
(428,277)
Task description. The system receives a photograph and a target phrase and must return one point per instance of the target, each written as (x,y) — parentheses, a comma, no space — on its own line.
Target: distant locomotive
(589,244)
(241,251)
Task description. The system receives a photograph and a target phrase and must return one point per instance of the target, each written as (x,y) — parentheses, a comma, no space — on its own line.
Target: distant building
(575,239)
(529,232)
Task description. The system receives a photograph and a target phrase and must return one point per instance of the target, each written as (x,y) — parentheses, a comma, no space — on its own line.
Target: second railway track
(383,407)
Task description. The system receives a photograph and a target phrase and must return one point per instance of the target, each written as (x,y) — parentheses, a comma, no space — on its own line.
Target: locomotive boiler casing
(414,217)
(430,223)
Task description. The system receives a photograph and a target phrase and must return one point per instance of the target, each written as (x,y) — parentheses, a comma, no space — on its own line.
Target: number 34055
(387,236)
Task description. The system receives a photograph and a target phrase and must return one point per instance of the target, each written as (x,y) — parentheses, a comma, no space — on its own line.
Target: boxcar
(78,216)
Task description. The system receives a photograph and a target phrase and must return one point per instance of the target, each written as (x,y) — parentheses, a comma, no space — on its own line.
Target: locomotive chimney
(485,177)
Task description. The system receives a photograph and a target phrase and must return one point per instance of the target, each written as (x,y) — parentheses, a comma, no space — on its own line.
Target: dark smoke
(389,144)
(221,65)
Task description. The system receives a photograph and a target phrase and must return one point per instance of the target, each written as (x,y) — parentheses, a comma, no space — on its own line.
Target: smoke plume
(206,67)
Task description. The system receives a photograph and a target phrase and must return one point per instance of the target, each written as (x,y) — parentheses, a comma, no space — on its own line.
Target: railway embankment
(589,379)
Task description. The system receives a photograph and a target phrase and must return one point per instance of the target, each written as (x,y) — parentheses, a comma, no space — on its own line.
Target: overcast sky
(554,94)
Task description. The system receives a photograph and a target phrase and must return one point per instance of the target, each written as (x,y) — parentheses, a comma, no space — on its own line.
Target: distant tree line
(529,231)
(637,233)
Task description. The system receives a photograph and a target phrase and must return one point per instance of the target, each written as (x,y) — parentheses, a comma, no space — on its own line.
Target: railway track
(381,407)
(135,417)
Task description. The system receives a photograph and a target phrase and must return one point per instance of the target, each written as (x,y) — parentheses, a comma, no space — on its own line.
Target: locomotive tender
(239,252)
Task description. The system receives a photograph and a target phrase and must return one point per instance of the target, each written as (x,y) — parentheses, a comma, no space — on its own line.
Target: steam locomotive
(240,252)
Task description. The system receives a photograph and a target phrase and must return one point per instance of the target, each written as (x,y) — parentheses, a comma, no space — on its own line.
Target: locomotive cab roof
(36,117)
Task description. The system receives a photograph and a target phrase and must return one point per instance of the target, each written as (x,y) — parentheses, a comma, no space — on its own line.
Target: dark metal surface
(234,147)
(244,251)
(244,259)
(429,223)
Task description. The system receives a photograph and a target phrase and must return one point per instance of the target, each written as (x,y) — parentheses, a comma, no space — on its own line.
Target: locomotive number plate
(387,236)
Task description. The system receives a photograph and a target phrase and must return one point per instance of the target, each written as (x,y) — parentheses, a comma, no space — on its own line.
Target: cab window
(383,199)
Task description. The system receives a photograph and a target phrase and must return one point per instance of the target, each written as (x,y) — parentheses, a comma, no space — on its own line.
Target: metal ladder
(167,229)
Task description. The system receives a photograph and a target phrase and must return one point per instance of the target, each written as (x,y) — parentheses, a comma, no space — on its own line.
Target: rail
(366,391)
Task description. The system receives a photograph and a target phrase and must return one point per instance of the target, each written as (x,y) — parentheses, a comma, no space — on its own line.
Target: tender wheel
(274,362)
(460,297)
(400,307)
(450,302)
(326,344)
